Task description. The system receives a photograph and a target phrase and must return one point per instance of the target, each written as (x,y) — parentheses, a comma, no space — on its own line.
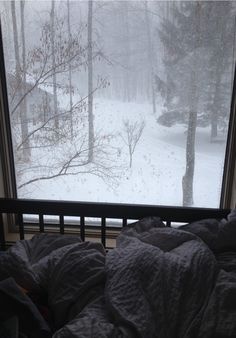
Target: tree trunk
(20,83)
(24,102)
(54,78)
(168,75)
(190,146)
(130,156)
(90,82)
(150,58)
(70,73)
(126,56)
(216,99)
(5,22)
(219,56)
(187,181)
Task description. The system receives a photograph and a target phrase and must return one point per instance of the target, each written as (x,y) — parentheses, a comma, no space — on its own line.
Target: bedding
(157,282)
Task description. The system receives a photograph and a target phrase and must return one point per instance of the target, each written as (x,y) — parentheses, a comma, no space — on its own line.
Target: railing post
(62,230)
(21,226)
(168,224)
(124,222)
(103,232)
(41,223)
(82,228)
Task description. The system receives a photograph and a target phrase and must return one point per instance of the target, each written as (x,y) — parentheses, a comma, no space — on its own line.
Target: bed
(161,280)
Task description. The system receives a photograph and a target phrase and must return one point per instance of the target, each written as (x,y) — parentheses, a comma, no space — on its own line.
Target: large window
(119,101)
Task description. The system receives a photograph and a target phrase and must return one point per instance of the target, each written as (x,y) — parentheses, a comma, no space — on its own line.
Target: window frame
(6,145)
(227,199)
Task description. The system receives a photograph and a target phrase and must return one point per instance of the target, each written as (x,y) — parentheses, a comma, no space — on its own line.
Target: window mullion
(228,200)
(6,150)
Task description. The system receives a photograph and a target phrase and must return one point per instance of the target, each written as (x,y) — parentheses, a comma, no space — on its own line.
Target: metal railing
(102,211)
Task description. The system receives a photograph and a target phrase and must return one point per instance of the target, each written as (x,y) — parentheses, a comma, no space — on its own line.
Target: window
(120,101)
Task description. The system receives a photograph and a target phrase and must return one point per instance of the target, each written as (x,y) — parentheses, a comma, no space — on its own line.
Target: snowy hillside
(158,164)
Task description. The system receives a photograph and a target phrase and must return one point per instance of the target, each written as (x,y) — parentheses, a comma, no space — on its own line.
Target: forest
(119,101)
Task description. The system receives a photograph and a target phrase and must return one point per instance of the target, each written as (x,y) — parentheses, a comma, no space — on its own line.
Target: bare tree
(20,83)
(54,77)
(46,66)
(90,82)
(187,181)
(72,55)
(132,134)
(41,69)
(72,156)
(70,70)
(150,57)
(127,50)
(24,103)
(73,160)
(45,135)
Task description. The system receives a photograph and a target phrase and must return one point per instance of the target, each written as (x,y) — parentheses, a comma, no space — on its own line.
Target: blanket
(158,282)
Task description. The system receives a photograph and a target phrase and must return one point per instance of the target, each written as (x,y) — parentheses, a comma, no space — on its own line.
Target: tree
(54,77)
(70,70)
(72,160)
(18,75)
(169,81)
(215,52)
(90,82)
(133,132)
(193,34)
(150,57)
(56,55)
(24,103)
(186,59)
(220,62)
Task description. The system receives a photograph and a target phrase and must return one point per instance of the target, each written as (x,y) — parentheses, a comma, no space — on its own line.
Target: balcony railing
(84,212)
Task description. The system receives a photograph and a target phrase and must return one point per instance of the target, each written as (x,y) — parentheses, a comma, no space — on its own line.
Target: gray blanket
(158,282)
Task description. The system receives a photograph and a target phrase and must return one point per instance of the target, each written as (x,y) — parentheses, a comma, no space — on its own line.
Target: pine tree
(178,36)
(197,42)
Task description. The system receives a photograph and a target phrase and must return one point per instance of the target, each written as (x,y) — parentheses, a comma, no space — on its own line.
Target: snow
(158,163)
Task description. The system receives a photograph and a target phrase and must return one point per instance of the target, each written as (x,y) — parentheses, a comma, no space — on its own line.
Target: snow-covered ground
(158,164)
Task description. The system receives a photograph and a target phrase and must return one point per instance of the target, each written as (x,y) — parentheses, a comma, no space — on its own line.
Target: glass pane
(120,101)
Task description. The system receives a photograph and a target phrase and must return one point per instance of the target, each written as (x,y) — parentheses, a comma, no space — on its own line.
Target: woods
(64,59)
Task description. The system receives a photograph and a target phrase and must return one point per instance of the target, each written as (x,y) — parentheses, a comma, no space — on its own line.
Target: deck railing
(103,211)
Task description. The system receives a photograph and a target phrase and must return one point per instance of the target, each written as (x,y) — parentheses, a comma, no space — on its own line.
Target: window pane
(120,101)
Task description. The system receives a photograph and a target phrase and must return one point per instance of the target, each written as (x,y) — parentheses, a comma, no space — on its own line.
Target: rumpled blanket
(158,282)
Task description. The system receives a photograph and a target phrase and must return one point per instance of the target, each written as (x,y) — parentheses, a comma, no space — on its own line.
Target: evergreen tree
(197,39)
(215,49)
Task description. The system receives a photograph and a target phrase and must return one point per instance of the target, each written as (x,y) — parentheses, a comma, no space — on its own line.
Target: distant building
(39,102)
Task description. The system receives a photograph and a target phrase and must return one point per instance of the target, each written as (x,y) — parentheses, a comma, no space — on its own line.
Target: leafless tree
(72,159)
(132,134)
(70,70)
(90,81)
(150,56)
(187,181)
(54,57)
(20,83)
(54,75)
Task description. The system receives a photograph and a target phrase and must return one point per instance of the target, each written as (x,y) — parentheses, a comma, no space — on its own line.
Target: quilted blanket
(158,282)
